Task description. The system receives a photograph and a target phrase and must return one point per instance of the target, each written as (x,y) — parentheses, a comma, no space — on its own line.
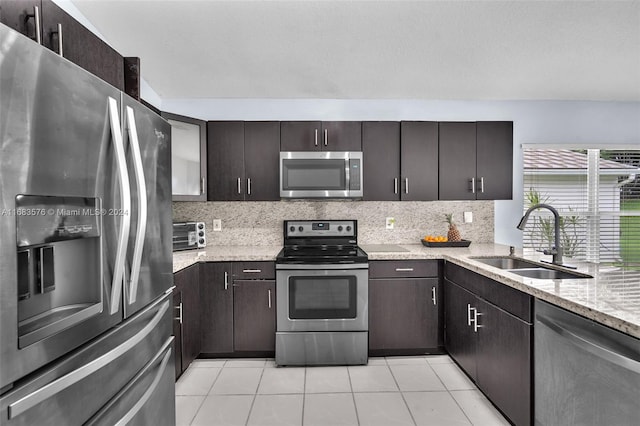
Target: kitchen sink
(548,274)
(529,269)
(506,262)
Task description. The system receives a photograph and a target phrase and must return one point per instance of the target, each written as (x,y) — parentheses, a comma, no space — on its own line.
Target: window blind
(596,192)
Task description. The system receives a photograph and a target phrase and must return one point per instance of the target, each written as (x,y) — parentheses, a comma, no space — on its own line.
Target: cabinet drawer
(254,270)
(403,268)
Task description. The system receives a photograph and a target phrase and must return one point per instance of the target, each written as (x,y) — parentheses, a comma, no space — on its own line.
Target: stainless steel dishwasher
(585,372)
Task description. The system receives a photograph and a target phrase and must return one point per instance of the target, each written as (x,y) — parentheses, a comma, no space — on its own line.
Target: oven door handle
(312,267)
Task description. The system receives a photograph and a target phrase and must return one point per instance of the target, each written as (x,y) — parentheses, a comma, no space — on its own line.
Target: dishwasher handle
(590,346)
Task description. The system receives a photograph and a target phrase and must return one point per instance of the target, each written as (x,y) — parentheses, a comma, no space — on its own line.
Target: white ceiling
(480,50)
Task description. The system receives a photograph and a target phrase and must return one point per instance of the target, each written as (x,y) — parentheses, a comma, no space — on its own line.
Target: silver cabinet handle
(481,184)
(406,185)
(395,185)
(316,137)
(125,203)
(248,186)
(326,138)
(469,309)
(226,280)
(473,185)
(59,32)
(60,52)
(433,295)
(28,402)
(239,187)
(252,271)
(404,269)
(36,18)
(202,185)
(179,308)
(142,204)
(476,326)
(126,419)
(269,298)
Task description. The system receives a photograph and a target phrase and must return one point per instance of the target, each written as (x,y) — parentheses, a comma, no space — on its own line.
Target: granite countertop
(611,297)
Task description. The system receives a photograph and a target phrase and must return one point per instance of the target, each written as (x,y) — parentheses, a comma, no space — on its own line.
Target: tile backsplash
(260,223)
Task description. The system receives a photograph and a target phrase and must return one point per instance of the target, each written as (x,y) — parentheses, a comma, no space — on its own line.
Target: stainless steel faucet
(556,251)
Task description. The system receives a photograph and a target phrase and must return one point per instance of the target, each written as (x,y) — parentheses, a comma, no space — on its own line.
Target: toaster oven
(189,235)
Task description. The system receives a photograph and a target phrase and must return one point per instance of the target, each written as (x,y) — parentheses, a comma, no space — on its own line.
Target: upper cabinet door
(419,160)
(20,15)
(261,157)
(321,136)
(494,160)
(341,136)
(457,180)
(381,160)
(80,46)
(300,136)
(225,160)
(188,158)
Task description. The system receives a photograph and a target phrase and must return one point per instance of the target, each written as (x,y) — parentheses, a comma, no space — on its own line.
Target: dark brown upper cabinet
(476,160)
(321,136)
(381,160)
(243,161)
(419,160)
(400,160)
(61,33)
(494,160)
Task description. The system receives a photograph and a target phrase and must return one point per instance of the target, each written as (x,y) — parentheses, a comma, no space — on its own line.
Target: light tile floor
(413,391)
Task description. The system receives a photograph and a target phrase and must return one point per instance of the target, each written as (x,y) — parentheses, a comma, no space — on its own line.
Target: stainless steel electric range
(322,294)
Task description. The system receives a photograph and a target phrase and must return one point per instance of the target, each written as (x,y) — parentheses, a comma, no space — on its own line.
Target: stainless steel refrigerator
(85,247)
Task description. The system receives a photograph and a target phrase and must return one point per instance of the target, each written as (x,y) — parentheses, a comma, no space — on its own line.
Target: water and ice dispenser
(59,253)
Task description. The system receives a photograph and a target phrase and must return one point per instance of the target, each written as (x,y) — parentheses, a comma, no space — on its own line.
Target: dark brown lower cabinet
(254,315)
(404,314)
(490,341)
(186,317)
(459,338)
(177,331)
(216,308)
(504,361)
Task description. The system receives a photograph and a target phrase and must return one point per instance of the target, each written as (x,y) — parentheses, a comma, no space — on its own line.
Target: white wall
(535,122)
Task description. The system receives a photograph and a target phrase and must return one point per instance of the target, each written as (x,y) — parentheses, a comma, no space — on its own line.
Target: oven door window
(303,175)
(332,297)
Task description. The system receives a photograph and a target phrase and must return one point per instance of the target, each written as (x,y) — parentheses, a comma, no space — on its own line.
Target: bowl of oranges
(443,241)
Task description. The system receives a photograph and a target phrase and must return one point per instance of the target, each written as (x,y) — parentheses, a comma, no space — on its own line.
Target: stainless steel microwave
(328,174)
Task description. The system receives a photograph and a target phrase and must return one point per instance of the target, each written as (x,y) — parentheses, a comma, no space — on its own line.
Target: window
(596,192)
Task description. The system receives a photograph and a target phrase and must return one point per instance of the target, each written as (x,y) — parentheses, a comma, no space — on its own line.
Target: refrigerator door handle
(125,205)
(142,204)
(145,397)
(26,403)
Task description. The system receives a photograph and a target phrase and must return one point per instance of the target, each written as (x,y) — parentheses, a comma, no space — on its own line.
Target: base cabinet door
(177,331)
(459,336)
(402,314)
(504,361)
(254,311)
(216,308)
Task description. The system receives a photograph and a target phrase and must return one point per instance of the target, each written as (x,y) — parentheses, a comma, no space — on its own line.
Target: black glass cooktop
(322,254)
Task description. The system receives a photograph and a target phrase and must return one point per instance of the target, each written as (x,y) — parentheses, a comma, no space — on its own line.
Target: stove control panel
(320,228)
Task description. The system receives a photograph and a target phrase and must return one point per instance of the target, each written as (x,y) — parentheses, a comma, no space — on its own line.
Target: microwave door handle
(125,204)
(142,204)
(347,176)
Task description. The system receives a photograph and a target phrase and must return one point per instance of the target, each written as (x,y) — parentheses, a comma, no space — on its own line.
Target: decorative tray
(463,243)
